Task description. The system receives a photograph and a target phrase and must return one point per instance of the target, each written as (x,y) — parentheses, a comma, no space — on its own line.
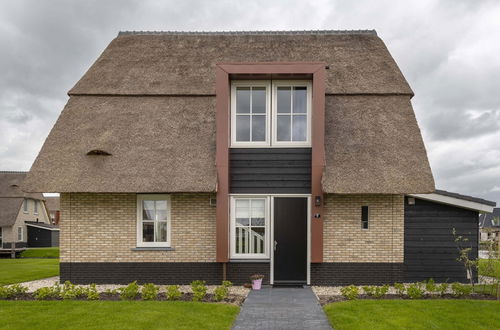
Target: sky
(448,51)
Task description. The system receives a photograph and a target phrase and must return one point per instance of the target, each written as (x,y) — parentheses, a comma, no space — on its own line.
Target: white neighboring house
(18,210)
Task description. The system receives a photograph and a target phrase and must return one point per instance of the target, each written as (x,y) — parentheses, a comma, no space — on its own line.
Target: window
(36,207)
(267,114)
(249,227)
(153,220)
(25,206)
(291,113)
(19,233)
(250,114)
(1,234)
(364,217)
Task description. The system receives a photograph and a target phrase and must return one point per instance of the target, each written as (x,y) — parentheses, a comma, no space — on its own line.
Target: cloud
(448,51)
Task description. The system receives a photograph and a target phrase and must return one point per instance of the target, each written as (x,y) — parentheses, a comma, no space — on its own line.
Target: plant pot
(256,284)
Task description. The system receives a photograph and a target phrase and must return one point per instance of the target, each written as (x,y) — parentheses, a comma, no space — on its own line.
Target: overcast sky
(448,50)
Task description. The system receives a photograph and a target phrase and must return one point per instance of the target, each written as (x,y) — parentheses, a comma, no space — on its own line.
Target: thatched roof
(12,197)
(148,101)
(157,144)
(52,203)
(184,64)
(373,145)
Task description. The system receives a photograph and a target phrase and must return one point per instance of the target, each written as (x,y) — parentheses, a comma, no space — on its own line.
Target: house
(216,155)
(489,225)
(52,204)
(20,214)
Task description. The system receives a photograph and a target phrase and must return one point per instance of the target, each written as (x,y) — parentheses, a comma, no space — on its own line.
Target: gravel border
(50,281)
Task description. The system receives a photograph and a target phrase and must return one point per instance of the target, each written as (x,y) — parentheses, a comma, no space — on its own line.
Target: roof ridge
(14,172)
(258,32)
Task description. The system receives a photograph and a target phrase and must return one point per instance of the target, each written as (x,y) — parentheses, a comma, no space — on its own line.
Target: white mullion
(251,113)
(291,113)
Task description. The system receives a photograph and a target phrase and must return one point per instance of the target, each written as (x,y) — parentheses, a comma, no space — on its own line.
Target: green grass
(485,270)
(52,252)
(22,270)
(115,315)
(414,314)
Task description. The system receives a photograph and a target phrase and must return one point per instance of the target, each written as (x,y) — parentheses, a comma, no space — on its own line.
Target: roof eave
(448,200)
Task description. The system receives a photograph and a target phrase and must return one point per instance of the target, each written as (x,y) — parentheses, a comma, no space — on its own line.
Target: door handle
(275,245)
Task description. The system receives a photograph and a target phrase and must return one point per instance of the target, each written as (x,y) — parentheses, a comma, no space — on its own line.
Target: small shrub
(430,286)
(369,290)
(149,292)
(71,291)
(227,284)
(442,288)
(400,288)
(350,292)
(256,277)
(199,290)
(112,291)
(48,292)
(380,291)
(92,293)
(130,292)
(173,292)
(12,291)
(414,291)
(460,289)
(220,293)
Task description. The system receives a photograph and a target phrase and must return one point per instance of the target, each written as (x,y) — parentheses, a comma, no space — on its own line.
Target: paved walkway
(281,308)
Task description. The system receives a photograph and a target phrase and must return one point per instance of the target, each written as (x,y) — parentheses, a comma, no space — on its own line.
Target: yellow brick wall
(101,227)
(345,241)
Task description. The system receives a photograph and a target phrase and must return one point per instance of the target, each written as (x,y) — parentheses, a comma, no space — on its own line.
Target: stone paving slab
(281,308)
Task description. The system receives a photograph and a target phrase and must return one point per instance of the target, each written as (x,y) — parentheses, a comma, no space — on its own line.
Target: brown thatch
(12,197)
(373,145)
(10,185)
(157,144)
(166,143)
(9,209)
(52,203)
(183,64)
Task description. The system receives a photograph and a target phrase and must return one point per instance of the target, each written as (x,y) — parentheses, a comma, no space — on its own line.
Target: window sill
(267,260)
(153,248)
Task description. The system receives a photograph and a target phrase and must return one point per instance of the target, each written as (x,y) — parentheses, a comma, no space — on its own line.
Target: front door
(290,240)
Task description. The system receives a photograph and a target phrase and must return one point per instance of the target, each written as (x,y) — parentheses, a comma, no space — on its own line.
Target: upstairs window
(25,206)
(364,217)
(270,114)
(36,207)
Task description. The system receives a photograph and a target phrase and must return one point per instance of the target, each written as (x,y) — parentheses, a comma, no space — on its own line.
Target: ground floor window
(249,227)
(19,233)
(153,220)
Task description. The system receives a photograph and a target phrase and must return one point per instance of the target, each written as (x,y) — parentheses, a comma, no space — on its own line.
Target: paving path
(281,308)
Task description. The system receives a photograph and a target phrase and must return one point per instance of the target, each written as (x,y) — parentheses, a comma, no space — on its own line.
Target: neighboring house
(52,204)
(489,225)
(186,156)
(19,212)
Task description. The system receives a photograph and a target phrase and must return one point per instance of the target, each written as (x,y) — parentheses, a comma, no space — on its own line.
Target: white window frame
(35,207)
(291,83)
(25,206)
(20,232)
(266,254)
(250,83)
(156,197)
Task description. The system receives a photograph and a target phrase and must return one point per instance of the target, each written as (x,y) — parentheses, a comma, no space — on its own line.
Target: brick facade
(102,227)
(346,241)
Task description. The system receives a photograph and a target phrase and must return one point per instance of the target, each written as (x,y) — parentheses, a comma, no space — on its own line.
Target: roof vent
(98,152)
(14,186)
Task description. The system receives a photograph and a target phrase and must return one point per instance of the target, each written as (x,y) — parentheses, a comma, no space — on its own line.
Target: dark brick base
(239,272)
(346,273)
(142,272)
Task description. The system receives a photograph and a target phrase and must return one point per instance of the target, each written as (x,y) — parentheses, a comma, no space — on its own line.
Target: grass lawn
(483,268)
(22,270)
(52,252)
(115,315)
(414,314)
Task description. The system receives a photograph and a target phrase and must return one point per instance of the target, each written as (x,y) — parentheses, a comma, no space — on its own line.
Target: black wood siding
(429,249)
(38,237)
(270,170)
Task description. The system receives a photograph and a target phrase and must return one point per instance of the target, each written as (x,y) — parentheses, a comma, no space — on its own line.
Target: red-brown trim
(223,70)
